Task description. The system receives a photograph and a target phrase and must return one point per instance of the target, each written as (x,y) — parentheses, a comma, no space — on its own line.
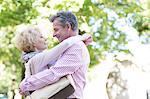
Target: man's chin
(60,40)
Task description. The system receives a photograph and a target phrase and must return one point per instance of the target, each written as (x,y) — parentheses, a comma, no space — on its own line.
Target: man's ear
(68,26)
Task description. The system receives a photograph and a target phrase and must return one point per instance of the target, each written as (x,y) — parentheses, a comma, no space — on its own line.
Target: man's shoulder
(78,45)
(76,48)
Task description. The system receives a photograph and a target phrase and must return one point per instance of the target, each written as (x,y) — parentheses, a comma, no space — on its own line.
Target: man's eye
(55,30)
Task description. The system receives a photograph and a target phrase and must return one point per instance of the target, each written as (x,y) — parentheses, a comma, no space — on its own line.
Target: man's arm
(70,61)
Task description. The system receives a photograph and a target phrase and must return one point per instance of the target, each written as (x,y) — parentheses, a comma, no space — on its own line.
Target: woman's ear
(33,44)
(35,48)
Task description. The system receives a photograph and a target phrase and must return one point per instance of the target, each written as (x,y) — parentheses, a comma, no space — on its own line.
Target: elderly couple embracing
(57,73)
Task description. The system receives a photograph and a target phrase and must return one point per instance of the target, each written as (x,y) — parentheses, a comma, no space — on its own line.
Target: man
(73,61)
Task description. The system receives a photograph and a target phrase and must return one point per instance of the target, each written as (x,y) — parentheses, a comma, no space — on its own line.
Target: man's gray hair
(66,17)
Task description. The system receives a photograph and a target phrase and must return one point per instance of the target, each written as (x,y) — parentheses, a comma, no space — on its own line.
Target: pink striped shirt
(74,61)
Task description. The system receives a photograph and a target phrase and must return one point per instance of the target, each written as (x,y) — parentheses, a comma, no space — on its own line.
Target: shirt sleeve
(68,63)
(42,59)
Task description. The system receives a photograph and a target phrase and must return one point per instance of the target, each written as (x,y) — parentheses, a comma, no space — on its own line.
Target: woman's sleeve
(42,59)
(27,70)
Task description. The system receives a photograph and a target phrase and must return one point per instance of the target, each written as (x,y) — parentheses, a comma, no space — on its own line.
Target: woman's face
(40,43)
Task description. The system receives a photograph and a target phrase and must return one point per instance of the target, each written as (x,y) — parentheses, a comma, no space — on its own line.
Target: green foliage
(15,12)
(104,40)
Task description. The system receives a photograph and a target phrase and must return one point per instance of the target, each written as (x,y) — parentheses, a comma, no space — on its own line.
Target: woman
(36,58)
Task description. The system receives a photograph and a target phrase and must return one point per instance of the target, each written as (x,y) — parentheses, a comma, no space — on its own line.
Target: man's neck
(74,33)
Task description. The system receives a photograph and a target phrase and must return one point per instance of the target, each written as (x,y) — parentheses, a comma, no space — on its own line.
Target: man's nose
(54,34)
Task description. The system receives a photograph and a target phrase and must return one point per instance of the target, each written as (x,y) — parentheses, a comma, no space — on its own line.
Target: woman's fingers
(88,41)
(86,36)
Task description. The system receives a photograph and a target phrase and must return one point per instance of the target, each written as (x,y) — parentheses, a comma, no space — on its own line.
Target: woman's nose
(46,39)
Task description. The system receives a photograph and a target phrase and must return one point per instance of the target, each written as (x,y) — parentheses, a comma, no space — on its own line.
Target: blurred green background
(114,24)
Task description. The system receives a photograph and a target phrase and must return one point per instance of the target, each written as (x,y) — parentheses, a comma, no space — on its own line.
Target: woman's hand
(21,88)
(87,38)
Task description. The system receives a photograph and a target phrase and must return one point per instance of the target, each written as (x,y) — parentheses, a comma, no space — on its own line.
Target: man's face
(60,32)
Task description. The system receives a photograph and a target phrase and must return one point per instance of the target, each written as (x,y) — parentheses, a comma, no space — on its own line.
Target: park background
(120,52)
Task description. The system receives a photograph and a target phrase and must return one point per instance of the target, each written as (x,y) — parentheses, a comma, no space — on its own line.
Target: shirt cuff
(23,85)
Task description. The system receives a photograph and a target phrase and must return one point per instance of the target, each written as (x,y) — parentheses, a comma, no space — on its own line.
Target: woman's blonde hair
(25,39)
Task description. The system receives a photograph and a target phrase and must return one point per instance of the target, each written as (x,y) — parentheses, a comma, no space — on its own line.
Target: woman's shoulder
(27,56)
